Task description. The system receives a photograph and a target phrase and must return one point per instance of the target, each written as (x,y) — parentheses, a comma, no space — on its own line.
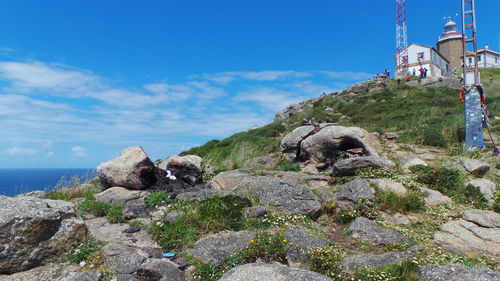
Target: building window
(479,58)
(420,56)
(470,60)
(496,59)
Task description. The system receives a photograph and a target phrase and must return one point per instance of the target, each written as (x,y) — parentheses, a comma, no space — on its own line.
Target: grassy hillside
(427,116)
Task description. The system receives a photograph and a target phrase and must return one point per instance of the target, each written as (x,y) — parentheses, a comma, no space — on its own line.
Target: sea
(17,181)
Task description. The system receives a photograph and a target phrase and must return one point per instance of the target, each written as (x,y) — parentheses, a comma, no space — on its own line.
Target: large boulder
(271,272)
(284,196)
(473,166)
(216,248)
(331,142)
(358,88)
(186,168)
(369,230)
(291,142)
(457,272)
(34,232)
(353,192)
(55,272)
(434,197)
(478,232)
(351,263)
(132,169)
(351,165)
(119,195)
(388,185)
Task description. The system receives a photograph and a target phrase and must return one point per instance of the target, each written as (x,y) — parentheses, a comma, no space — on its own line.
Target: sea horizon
(14,181)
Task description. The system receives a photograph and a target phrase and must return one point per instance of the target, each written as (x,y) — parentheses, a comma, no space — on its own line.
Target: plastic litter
(168,255)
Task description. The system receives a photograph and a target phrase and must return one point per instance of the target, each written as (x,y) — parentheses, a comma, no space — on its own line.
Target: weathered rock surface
(349,166)
(277,192)
(255,212)
(105,232)
(291,142)
(369,230)
(34,193)
(271,272)
(302,238)
(457,272)
(217,247)
(398,218)
(412,161)
(123,259)
(323,145)
(54,272)
(293,109)
(186,168)
(211,193)
(119,195)
(351,263)
(34,232)
(434,197)
(389,186)
(161,270)
(486,187)
(477,232)
(353,192)
(473,166)
(132,169)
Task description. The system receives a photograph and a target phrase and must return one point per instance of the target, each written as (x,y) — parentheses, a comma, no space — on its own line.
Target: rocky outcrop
(303,241)
(290,144)
(285,197)
(478,232)
(353,192)
(434,197)
(34,232)
(351,263)
(369,230)
(293,109)
(349,166)
(412,161)
(119,195)
(55,272)
(333,142)
(216,248)
(472,166)
(388,185)
(186,168)
(457,272)
(486,187)
(271,272)
(132,169)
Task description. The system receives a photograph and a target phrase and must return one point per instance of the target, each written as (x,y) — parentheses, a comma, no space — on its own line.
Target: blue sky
(82,80)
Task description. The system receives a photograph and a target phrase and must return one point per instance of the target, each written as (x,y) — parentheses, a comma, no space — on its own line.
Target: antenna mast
(470,61)
(401,39)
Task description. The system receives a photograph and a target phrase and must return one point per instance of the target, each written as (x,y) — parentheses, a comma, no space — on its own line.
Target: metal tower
(470,61)
(401,39)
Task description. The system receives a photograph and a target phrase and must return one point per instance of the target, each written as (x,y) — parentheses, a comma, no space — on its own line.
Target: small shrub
(496,205)
(288,166)
(268,247)
(158,198)
(84,251)
(411,201)
(207,272)
(115,214)
(405,271)
(326,261)
(359,209)
(433,137)
(58,195)
(136,223)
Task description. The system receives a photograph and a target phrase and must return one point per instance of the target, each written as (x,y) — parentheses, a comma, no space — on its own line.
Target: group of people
(382,75)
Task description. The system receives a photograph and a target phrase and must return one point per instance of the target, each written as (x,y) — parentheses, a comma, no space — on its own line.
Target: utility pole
(401,39)
(471,88)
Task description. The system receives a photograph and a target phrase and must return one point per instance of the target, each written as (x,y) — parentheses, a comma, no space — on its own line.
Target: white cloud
(265,75)
(347,75)
(79,151)
(50,154)
(16,151)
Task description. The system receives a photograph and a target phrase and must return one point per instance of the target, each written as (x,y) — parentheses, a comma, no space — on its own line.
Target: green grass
(84,251)
(71,188)
(201,218)
(411,201)
(114,213)
(288,166)
(157,199)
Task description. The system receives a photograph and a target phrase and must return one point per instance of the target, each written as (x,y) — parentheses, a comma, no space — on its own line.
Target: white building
(486,58)
(421,56)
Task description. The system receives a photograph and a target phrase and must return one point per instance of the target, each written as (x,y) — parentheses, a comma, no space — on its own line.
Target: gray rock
(358,88)
(349,166)
(412,161)
(477,232)
(434,197)
(160,269)
(293,109)
(389,186)
(119,195)
(106,232)
(132,169)
(34,232)
(35,193)
(205,194)
(391,136)
(54,272)
(271,272)
(186,168)
(256,212)
(127,277)
(301,237)
(123,259)
(217,247)
(322,146)
(135,208)
(291,142)
(475,167)
(278,192)
(353,192)
(351,263)
(369,230)
(174,215)
(457,272)
(486,187)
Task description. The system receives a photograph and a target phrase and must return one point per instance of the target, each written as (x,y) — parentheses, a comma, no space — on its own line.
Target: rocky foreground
(354,206)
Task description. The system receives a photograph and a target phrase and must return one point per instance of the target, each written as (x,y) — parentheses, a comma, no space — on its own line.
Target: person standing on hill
(421,71)
(491,79)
